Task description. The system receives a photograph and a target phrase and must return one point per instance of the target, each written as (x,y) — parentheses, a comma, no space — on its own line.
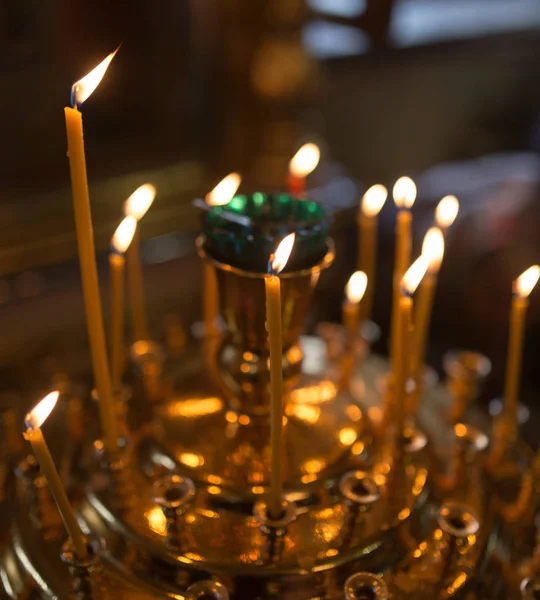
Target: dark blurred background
(447,91)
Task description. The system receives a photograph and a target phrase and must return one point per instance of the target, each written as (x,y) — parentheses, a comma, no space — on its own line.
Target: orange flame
(374,199)
(433,248)
(525,283)
(38,415)
(140,201)
(280,257)
(124,234)
(83,88)
(446,211)
(224,191)
(412,278)
(305,160)
(356,287)
(404,192)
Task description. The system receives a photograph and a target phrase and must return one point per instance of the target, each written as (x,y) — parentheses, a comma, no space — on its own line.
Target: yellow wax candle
(523,286)
(137,206)
(211,300)
(301,165)
(273,326)
(120,243)
(139,325)
(34,420)
(372,202)
(433,250)
(83,220)
(222,194)
(404,193)
(354,292)
(400,367)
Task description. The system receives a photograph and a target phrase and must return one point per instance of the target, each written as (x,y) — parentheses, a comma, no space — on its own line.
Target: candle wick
(270,268)
(73,96)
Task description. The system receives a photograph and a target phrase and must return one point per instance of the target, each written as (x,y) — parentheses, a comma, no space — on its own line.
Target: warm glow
(433,248)
(314,394)
(38,415)
(280,257)
(414,274)
(124,234)
(191,460)
(84,87)
(404,192)
(304,412)
(373,200)
(446,211)
(347,436)
(356,287)
(224,191)
(305,160)
(525,283)
(194,407)
(140,201)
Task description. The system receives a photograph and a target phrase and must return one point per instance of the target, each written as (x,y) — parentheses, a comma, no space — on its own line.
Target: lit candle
(433,250)
(523,286)
(222,194)
(137,206)
(372,202)
(87,256)
(273,326)
(33,421)
(446,212)
(409,283)
(300,166)
(404,194)
(120,243)
(354,292)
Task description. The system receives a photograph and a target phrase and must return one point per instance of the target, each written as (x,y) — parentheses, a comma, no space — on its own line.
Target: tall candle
(523,286)
(221,195)
(446,213)
(372,202)
(34,420)
(272,286)
(137,206)
(354,292)
(400,367)
(433,250)
(301,165)
(120,243)
(87,259)
(404,193)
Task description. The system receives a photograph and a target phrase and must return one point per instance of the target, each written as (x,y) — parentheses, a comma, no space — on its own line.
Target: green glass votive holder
(245,232)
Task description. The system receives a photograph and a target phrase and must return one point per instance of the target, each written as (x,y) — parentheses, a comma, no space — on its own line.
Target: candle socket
(275,530)
(207,590)
(457,523)
(84,572)
(360,492)
(365,586)
(530,588)
(121,406)
(465,371)
(174,494)
(469,444)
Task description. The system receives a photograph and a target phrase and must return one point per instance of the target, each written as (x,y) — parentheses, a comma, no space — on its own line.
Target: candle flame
(279,259)
(373,200)
(525,283)
(404,192)
(305,160)
(446,211)
(224,191)
(83,88)
(124,234)
(356,287)
(412,278)
(433,248)
(140,201)
(38,415)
